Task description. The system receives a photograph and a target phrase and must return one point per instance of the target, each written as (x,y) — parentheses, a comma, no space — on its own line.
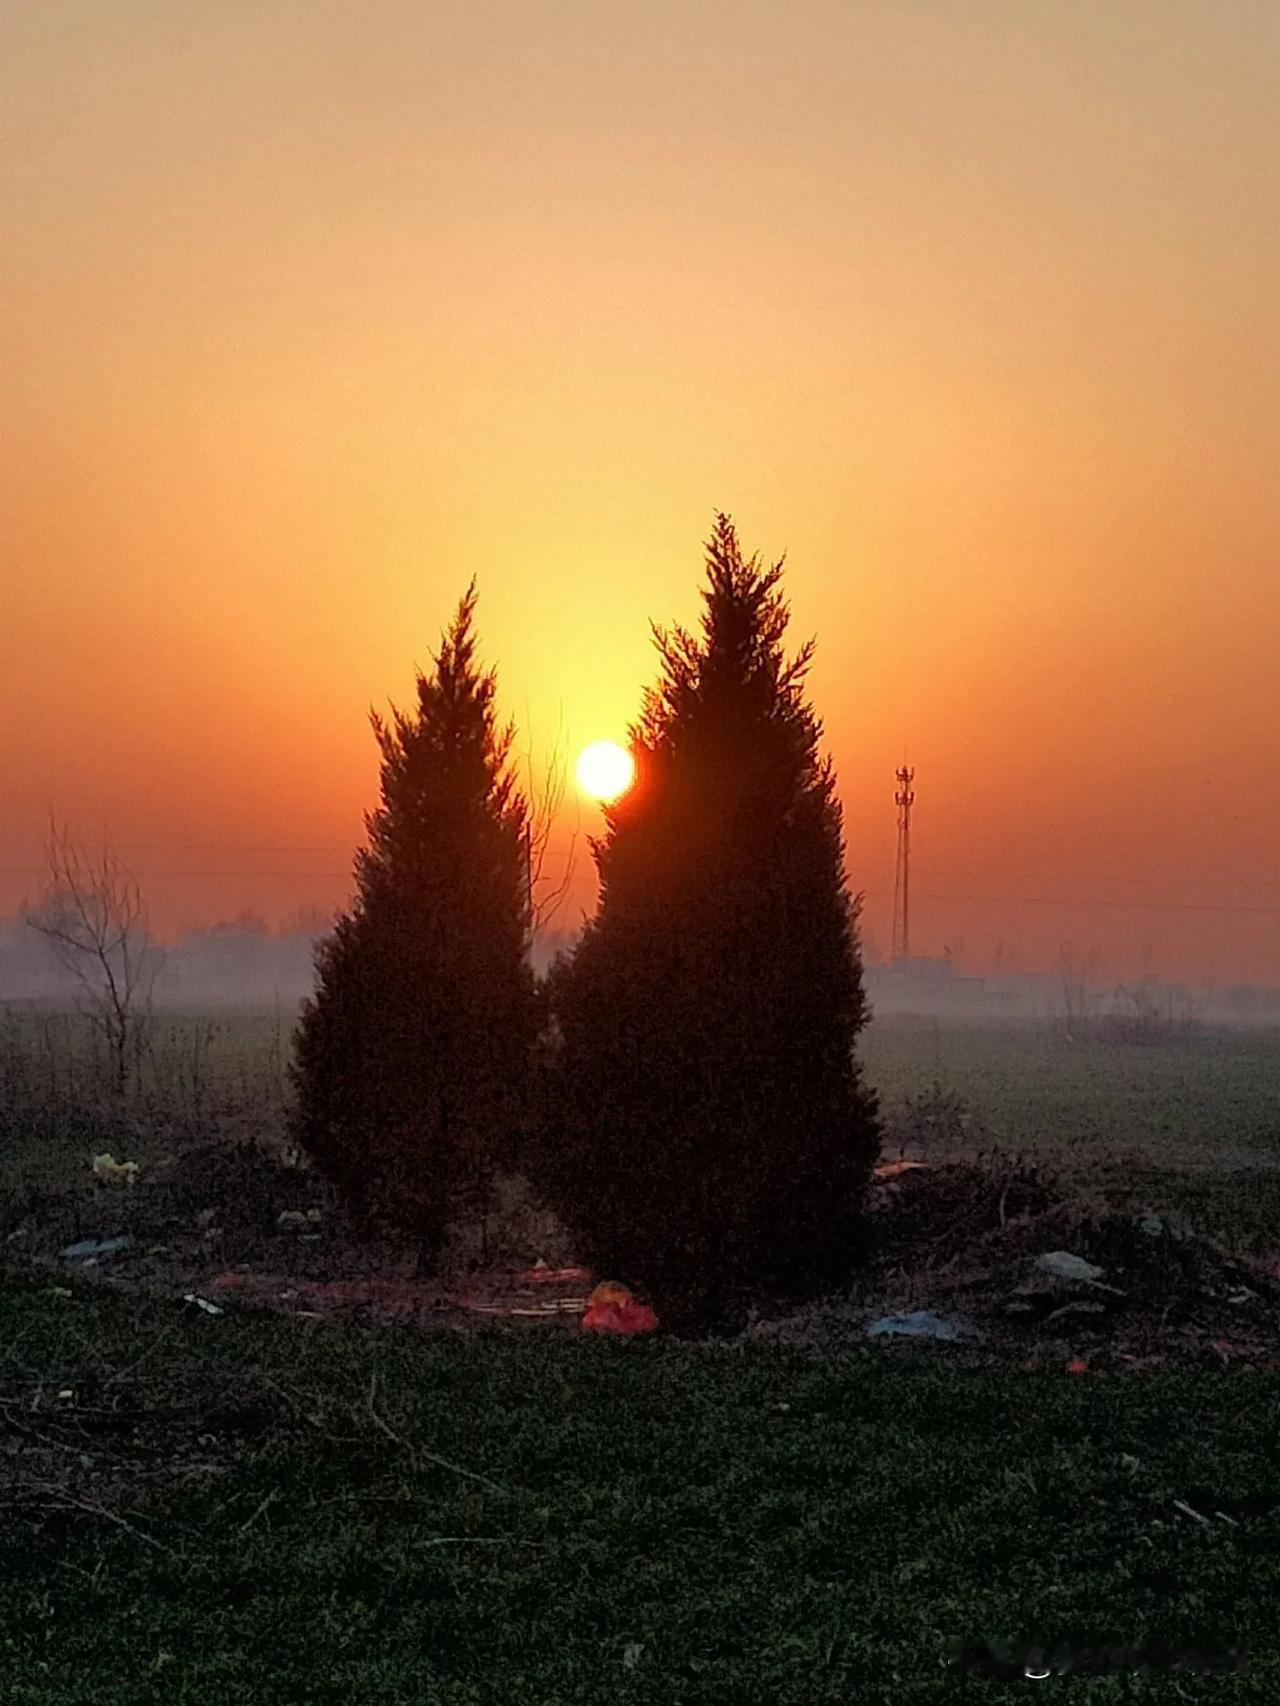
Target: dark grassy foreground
(658,1522)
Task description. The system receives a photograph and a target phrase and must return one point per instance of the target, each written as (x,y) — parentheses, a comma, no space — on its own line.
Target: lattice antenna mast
(904,799)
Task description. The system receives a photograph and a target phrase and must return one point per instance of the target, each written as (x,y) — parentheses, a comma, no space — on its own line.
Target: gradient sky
(311,311)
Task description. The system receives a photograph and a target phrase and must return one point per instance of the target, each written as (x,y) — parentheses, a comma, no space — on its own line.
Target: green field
(1190,1128)
(1210,1100)
(265,1510)
(1192,1125)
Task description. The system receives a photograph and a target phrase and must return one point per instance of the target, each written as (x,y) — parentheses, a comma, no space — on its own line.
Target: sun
(605,770)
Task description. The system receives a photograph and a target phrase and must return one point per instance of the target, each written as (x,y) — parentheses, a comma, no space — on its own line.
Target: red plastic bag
(612,1309)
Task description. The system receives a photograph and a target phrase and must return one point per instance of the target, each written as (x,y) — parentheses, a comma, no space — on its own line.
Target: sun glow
(605,770)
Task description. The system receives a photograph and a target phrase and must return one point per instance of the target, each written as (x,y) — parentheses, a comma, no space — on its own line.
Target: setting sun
(605,770)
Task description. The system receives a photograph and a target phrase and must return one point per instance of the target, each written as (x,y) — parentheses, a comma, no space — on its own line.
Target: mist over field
(244,964)
(639,851)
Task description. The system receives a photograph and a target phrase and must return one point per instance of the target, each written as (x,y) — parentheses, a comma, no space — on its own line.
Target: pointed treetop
(448,758)
(738,658)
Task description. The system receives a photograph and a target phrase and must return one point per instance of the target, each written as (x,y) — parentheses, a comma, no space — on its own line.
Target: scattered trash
(1077,1365)
(67,1395)
(541,1274)
(1131,1463)
(95,1247)
(113,1172)
(1040,1304)
(205,1217)
(611,1308)
(299,1217)
(631,1654)
(916,1324)
(895,1169)
(60,1291)
(203,1303)
(1244,1295)
(1064,1265)
(1152,1225)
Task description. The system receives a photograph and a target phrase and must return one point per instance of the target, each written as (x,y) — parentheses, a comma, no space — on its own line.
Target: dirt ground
(956,1260)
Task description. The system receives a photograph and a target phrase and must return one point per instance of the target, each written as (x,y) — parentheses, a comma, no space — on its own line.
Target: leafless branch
(94,919)
(545,797)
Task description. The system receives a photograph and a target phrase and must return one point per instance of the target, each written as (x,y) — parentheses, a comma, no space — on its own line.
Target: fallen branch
(1187,1510)
(270,1499)
(478,1540)
(293,1403)
(90,1507)
(385,1427)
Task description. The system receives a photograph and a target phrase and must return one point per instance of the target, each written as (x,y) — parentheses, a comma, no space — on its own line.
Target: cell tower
(904,799)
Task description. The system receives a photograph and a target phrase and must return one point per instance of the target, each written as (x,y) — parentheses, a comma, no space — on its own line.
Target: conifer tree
(715,1136)
(411,1059)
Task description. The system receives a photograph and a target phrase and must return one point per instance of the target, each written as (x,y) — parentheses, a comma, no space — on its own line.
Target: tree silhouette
(714,1136)
(94,919)
(410,1061)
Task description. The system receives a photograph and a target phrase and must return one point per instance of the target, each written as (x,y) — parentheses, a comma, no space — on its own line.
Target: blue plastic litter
(96,1247)
(918,1324)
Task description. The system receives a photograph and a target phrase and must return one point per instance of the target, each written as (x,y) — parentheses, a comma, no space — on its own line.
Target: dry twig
(385,1427)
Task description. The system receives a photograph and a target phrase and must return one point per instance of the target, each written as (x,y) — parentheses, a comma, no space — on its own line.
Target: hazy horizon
(310,313)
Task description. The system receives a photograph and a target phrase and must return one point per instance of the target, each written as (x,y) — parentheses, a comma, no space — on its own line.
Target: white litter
(1066,1266)
(203,1303)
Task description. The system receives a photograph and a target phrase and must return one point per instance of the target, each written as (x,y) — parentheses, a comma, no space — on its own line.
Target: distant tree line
(682,1087)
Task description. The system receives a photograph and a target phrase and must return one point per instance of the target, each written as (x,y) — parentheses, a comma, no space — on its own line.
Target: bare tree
(94,918)
(547,894)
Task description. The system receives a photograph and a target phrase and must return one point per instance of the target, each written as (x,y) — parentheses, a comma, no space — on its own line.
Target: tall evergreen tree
(411,1060)
(714,1134)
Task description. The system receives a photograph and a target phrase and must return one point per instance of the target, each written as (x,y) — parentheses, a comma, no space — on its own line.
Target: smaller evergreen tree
(412,1057)
(713,1134)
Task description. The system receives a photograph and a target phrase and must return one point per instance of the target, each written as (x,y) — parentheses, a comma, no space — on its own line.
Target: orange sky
(313,310)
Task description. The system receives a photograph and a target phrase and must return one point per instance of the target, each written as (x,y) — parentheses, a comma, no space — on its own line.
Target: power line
(1138,882)
(193,847)
(1082,901)
(1120,905)
(143,871)
(919,870)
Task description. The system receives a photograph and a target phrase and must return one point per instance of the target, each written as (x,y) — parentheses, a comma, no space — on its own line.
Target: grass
(1189,1127)
(317,1513)
(1210,1099)
(1187,1102)
(202,1076)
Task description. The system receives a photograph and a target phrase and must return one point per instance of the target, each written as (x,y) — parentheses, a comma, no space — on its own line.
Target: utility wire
(921,870)
(1080,901)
